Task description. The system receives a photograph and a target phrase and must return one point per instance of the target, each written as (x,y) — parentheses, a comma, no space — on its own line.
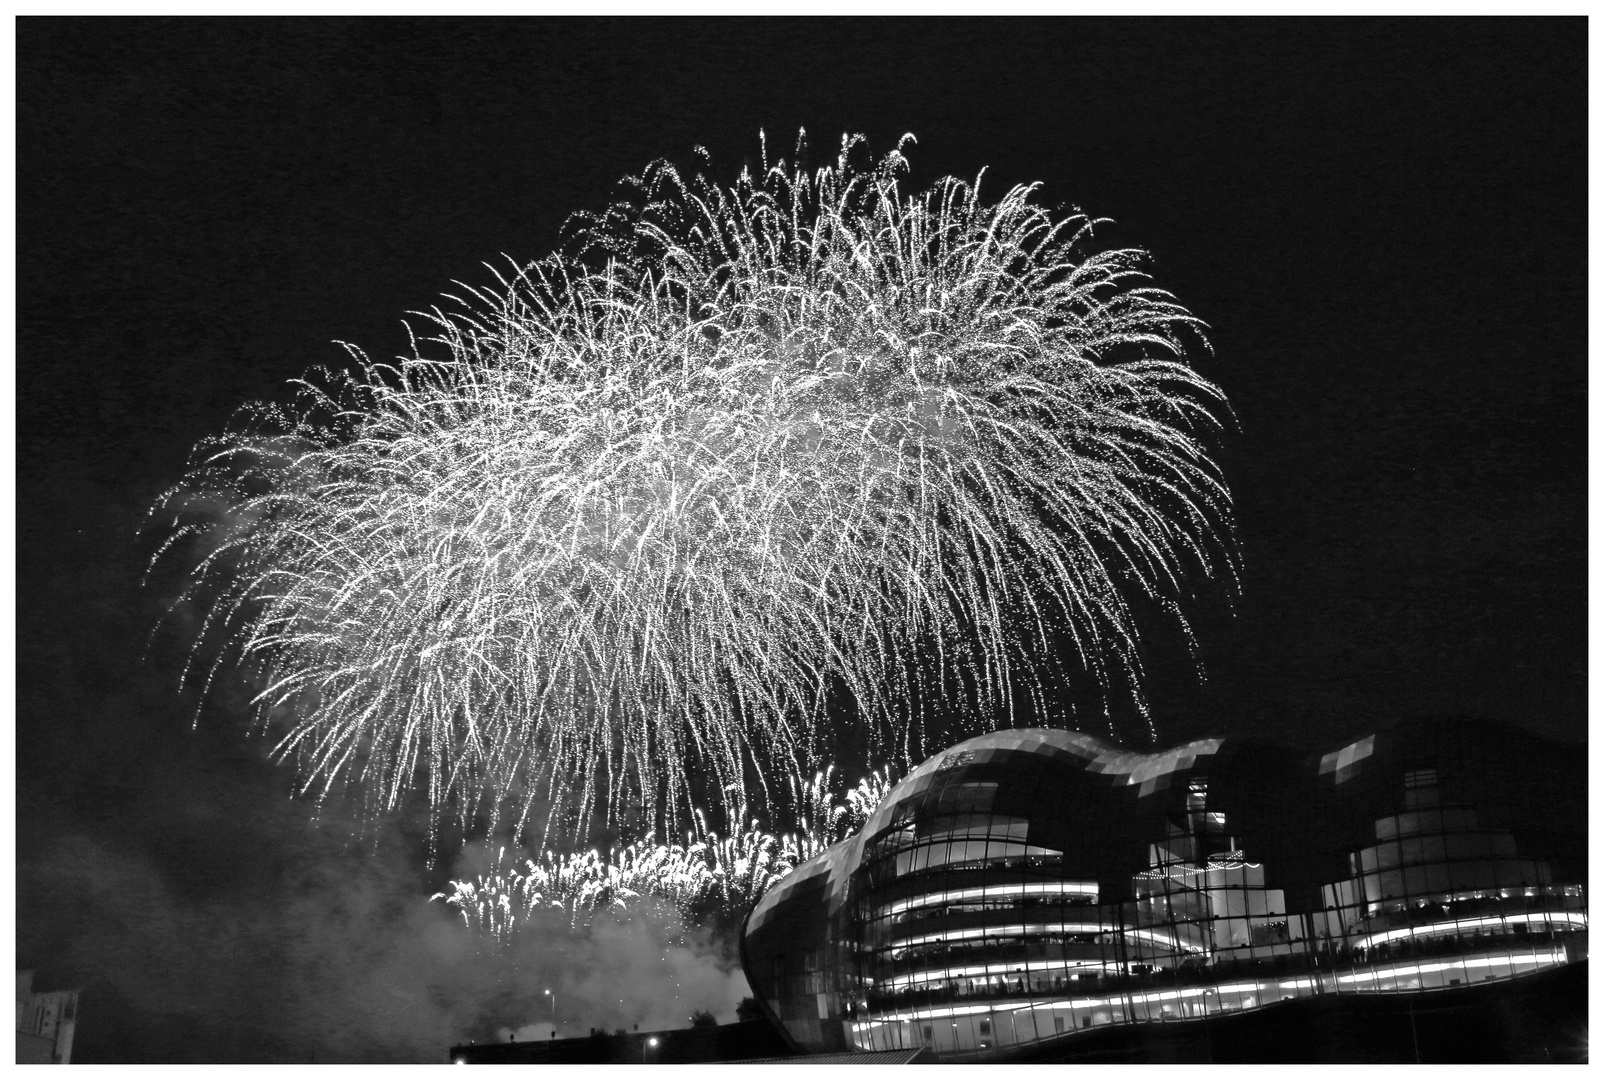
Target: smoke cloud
(340,958)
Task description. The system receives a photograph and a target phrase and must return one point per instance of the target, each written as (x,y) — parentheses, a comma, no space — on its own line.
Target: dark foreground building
(727,1042)
(1038,894)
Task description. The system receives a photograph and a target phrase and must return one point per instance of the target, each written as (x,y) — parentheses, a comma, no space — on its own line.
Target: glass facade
(1029,885)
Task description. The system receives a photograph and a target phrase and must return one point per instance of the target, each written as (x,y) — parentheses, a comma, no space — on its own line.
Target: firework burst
(648,506)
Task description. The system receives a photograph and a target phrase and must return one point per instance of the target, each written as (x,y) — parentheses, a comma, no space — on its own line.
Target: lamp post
(553,1012)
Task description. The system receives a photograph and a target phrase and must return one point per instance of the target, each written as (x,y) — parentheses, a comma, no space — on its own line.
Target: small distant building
(45,1023)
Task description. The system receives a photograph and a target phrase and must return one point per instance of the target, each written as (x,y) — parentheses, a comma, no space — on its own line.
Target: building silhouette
(45,1023)
(752,1039)
(1034,892)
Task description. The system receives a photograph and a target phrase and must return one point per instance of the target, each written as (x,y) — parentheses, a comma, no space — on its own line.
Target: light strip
(1574,917)
(1149,934)
(986,892)
(1557,957)
(935,975)
(1006,930)
(944,974)
(1064,1003)
(1258,987)
(1013,930)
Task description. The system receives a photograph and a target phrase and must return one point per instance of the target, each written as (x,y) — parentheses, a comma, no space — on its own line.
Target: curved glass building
(1033,885)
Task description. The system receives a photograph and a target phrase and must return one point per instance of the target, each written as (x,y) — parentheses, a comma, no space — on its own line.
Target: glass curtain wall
(1031,885)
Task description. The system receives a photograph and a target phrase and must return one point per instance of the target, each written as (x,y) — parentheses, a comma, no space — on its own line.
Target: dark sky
(1382,222)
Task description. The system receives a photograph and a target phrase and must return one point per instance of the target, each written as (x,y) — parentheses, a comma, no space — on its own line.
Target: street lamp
(553,1012)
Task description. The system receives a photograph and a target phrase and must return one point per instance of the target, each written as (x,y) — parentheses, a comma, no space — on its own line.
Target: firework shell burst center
(633,513)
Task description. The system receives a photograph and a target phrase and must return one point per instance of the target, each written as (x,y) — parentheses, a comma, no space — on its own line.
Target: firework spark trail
(736,452)
(708,876)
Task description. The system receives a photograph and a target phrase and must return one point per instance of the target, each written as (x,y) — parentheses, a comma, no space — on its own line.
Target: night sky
(1383,224)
